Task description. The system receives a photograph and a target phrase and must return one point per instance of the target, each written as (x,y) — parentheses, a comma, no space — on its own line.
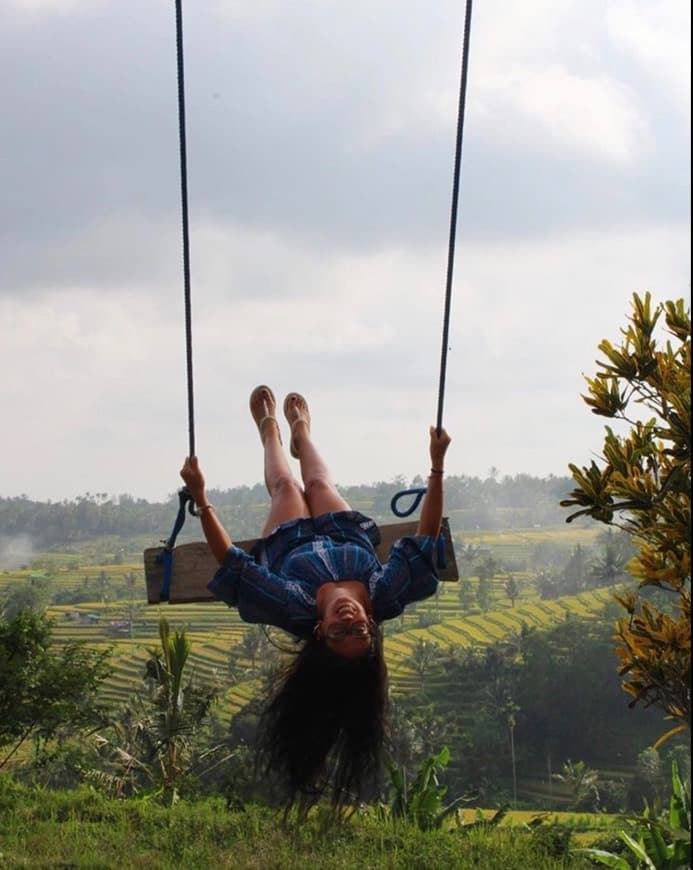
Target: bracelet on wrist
(437,471)
(204,507)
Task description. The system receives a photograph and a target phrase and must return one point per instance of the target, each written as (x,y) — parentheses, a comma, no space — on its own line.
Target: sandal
(264,414)
(303,416)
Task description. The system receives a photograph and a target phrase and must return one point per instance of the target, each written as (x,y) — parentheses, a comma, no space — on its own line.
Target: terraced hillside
(117,617)
(220,654)
(476,630)
(217,634)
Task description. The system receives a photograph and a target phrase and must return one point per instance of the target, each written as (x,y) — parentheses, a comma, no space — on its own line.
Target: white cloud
(560,110)
(101,386)
(561,76)
(658,36)
(53,7)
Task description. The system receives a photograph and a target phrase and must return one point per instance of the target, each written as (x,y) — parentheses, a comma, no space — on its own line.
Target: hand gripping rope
(419,492)
(166,556)
(185,499)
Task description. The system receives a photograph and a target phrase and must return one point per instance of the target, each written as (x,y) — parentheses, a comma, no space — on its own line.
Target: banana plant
(422,801)
(658,841)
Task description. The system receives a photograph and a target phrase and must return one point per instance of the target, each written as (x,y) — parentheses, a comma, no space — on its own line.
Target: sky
(320,158)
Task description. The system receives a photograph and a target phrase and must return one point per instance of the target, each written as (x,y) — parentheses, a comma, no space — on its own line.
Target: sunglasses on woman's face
(356,629)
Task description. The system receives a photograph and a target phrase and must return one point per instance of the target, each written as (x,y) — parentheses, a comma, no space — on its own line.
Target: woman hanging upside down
(315,574)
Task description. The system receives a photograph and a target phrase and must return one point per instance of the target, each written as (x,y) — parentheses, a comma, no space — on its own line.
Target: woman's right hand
(194,479)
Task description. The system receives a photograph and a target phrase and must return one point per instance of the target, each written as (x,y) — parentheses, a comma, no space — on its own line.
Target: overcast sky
(320,151)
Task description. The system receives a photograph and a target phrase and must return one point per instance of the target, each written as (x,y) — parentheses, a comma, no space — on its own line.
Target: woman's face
(345,625)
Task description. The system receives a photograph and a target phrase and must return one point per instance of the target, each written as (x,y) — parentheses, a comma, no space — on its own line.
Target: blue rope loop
(418,492)
(165,557)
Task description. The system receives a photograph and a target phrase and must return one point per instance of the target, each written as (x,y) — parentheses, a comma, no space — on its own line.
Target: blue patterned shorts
(342,527)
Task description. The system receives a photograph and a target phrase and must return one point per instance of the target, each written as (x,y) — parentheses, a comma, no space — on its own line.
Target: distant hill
(515,502)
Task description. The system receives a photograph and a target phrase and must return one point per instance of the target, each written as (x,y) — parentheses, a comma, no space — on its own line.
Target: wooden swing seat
(194,565)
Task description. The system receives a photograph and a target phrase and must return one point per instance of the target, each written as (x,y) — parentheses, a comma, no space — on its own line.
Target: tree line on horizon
(520,501)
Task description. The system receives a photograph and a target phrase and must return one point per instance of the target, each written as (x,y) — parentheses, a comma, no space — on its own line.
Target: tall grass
(82,829)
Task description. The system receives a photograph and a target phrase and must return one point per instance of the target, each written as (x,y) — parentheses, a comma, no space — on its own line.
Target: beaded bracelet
(204,507)
(437,471)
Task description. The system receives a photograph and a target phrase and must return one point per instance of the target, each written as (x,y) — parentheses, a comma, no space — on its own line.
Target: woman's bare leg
(287,501)
(320,492)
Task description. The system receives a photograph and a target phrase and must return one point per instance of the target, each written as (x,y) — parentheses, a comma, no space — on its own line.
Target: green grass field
(82,829)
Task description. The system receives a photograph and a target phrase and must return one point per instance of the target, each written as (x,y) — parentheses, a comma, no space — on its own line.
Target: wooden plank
(194,566)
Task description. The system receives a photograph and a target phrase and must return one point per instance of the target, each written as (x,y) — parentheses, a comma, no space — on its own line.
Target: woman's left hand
(438,447)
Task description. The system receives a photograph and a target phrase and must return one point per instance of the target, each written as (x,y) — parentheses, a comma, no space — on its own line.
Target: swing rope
(419,491)
(453,211)
(184,498)
(186,232)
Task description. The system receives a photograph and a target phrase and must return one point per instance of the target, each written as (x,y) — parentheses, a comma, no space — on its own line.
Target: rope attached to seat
(183,151)
(420,491)
(166,555)
(417,491)
(184,496)
(186,232)
(453,211)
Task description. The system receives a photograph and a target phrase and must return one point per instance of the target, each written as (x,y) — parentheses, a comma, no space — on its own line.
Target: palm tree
(423,657)
(610,566)
(157,740)
(467,556)
(582,781)
(251,644)
(512,589)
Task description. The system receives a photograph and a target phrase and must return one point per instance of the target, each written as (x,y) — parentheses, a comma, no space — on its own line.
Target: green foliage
(657,840)
(552,837)
(465,593)
(83,829)
(648,782)
(159,741)
(421,802)
(610,565)
(570,703)
(44,690)
(29,594)
(583,784)
(483,591)
(424,658)
(124,525)
(512,589)
(644,487)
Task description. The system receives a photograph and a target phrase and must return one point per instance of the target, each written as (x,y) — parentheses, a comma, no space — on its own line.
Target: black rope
(186,235)
(453,212)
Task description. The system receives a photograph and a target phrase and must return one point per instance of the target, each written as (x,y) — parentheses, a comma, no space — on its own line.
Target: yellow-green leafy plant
(643,485)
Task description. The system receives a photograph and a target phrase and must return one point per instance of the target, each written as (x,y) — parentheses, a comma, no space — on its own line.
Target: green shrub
(421,802)
(657,840)
(554,839)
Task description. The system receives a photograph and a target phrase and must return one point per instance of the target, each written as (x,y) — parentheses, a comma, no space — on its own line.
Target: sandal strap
(267,419)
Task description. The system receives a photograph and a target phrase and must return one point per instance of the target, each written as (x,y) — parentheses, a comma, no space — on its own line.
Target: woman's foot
(297,414)
(263,407)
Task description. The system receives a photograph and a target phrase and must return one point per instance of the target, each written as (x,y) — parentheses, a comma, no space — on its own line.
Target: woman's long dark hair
(324,724)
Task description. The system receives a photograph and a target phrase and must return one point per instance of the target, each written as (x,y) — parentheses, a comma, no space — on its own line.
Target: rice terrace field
(128,625)
(236,657)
